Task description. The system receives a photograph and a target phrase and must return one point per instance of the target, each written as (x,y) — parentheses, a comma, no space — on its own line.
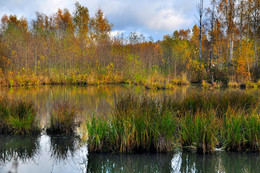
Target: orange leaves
(241,69)
(13,21)
(100,23)
(63,20)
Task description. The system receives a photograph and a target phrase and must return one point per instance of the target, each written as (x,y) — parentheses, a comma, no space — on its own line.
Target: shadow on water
(129,162)
(62,147)
(21,148)
(174,162)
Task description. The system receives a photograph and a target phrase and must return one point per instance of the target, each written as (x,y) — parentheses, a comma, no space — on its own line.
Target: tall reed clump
(63,118)
(200,129)
(18,117)
(241,132)
(201,120)
(137,125)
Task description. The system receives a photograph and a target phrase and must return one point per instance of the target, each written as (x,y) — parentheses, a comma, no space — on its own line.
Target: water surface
(56,153)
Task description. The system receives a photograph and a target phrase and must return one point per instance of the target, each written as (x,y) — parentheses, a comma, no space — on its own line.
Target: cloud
(166,20)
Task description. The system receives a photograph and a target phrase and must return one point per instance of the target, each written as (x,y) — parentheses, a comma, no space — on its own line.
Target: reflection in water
(174,162)
(68,149)
(68,155)
(129,163)
(16,147)
(45,154)
(243,162)
(61,147)
(218,162)
(91,99)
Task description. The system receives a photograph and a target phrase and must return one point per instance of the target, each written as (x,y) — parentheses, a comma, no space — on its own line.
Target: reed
(18,117)
(199,130)
(204,121)
(138,126)
(63,118)
(241,132)
(206,131)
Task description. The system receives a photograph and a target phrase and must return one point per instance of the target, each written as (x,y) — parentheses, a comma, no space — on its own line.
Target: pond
(54,153)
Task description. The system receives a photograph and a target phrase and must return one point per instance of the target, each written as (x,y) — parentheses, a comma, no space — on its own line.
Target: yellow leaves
(244,58)
(196,69)
(42,58)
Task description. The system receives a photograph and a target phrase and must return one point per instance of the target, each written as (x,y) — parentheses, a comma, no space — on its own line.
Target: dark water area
(69,154)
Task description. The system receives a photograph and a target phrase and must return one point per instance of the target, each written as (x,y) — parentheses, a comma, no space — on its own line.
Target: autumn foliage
(76,48)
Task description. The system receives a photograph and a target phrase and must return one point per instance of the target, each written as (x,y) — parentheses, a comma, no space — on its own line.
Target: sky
(153,18)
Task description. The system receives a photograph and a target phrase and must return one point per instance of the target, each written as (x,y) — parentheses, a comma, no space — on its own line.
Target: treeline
(77,48)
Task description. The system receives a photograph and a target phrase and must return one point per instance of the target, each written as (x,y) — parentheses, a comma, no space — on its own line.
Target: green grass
(18,117)
(206,132)
(201,130)
(204,121)
(139,126)
(241,132)
(63,118)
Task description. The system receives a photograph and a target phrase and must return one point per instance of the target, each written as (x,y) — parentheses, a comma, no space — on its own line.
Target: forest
(76,48)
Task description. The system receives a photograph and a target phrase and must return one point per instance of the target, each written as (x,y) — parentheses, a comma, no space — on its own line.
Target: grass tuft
(18,117)
(63,118)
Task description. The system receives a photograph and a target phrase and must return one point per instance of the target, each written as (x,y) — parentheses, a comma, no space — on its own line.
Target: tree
(200,11)
(100,25)
(81,20)
(227,10)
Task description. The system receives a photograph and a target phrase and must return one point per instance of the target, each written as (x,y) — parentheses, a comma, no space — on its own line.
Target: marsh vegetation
(229,120)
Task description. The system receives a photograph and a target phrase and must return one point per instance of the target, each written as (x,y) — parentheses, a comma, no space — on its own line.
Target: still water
(53,153)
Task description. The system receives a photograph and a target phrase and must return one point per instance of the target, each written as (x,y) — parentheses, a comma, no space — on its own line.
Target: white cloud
(166,20)
(116,33)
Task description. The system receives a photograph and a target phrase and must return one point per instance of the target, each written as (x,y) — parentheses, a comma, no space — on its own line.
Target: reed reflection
(20,148)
